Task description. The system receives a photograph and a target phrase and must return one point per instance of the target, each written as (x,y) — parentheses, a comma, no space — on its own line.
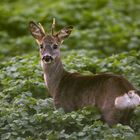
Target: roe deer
(115,97)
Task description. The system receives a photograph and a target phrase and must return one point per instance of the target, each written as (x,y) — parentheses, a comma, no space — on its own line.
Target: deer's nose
(47,58)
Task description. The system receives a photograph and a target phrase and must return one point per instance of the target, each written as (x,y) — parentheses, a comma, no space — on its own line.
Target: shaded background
(106,38)
(105,26)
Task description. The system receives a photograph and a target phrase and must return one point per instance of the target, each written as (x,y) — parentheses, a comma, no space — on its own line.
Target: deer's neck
(52,75)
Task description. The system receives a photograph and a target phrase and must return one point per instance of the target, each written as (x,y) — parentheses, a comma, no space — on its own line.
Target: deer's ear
(64,33)
(37,31)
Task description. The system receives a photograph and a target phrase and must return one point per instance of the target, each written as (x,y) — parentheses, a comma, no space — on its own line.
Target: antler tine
(53,26)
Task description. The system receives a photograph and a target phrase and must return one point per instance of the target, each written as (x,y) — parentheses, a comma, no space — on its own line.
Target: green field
(106,38)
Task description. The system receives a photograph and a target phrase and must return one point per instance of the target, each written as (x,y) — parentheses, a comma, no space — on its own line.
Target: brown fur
(76,91)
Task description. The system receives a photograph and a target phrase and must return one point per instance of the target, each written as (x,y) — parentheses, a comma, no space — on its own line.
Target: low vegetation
(106,38)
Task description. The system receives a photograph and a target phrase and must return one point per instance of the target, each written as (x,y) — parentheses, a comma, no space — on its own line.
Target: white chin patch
(48,62)
(128,101)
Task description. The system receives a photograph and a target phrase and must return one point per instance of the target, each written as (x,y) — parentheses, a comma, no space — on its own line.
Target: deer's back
(76,91)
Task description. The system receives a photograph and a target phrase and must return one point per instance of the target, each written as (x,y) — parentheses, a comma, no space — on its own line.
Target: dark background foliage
(106,38)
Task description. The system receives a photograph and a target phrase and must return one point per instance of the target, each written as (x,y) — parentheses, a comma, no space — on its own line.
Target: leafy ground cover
(106,38)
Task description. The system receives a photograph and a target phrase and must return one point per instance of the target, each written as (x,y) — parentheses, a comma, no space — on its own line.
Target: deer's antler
(53,26)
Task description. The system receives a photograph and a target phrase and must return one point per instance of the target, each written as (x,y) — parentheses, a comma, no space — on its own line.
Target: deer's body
(73,91)
(115,97)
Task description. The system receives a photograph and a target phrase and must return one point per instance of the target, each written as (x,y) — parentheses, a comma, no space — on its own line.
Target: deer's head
(49,44)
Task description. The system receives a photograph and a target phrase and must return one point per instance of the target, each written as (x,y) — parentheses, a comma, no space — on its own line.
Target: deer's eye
(55,46)
(41,46)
